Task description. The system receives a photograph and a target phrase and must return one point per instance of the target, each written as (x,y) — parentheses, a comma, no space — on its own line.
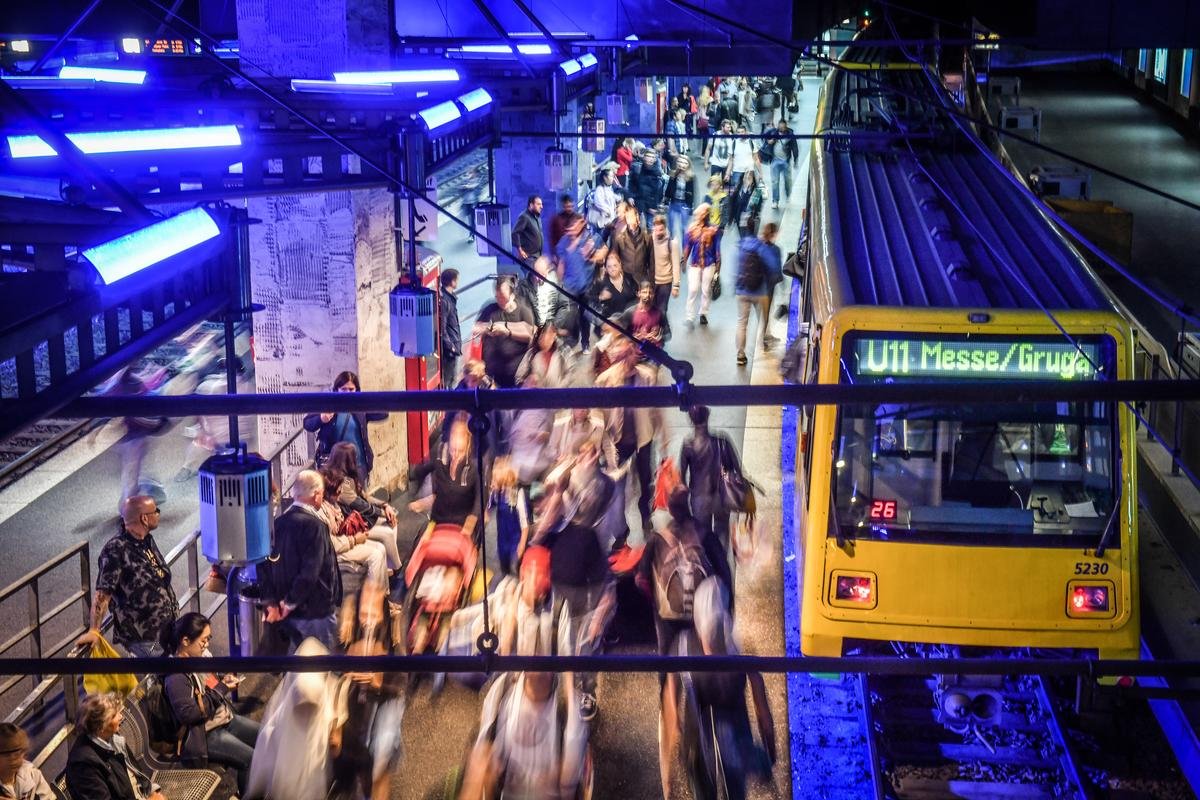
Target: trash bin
(250,619)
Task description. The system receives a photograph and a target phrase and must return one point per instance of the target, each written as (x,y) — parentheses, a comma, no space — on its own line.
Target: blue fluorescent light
(135,251)
(439,115)
(505,50)
(104,74)
(97,142)
(587,60)
(47,82)
(570,67)
(304,85)
(475,100)
(399,76)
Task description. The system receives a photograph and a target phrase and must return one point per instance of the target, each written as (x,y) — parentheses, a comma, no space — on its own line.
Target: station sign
(1024,359)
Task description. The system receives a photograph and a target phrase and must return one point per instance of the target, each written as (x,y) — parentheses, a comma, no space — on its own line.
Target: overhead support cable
(537,23)
(681,371)
(487,14)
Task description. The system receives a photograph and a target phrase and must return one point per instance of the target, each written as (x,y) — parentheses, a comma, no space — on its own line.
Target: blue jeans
(781,168)
(677,219)
(232,745)
(323,629)
(145,649)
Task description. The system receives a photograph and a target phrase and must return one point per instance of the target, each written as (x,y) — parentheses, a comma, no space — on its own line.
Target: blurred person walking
(759,270)
(506,327)
(292,754)
(702,249)
(678,197)
(665,260)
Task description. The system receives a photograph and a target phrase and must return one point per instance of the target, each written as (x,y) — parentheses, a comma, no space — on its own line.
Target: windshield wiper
(1108,529)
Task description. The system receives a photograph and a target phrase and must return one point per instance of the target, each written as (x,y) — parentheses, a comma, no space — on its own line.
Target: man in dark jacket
(646,186)
(450,336)
(632,246)
(307,584)
(562,220)
(527,233)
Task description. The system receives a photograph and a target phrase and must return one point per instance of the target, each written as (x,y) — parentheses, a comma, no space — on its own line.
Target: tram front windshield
(1030,473)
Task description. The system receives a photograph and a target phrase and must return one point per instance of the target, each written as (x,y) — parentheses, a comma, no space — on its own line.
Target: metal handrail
(187,549)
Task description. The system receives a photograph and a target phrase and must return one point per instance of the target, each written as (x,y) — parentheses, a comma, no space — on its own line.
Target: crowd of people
(568,504)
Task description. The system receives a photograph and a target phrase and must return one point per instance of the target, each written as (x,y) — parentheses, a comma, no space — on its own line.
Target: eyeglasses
(154,511)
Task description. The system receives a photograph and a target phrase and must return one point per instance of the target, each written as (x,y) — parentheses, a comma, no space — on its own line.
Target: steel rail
(958,392)
(1077,667)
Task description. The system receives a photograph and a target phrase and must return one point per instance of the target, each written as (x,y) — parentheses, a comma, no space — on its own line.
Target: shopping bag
(120,683)
(668,479)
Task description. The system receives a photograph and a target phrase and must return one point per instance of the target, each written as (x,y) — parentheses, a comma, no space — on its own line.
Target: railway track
(1013,747)
(25,451)
(832,755)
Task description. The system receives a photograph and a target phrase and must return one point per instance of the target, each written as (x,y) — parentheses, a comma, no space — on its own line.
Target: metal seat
(177,783)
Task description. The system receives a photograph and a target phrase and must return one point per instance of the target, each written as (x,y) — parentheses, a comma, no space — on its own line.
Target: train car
(990,526)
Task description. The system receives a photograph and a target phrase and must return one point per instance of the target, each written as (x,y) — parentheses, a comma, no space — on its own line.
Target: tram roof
(900,240)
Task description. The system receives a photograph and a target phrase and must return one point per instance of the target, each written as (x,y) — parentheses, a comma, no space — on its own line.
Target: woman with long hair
(454,481)
(678,196)
(702,250)
(210,730)
(344,485)
(746,203)
(333,428)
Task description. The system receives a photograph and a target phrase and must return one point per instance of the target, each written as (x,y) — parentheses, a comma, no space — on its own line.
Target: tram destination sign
(902,357)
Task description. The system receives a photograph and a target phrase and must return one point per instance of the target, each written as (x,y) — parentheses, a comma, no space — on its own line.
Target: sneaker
(587,706)
(775,206)
(703,319)
(741,359)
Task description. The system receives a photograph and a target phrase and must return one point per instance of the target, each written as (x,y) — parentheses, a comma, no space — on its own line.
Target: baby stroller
(440,577)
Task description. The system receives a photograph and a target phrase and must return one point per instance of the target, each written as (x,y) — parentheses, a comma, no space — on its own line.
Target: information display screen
(883,356)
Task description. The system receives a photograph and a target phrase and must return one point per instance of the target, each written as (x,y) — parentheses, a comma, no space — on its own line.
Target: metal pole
(46,56)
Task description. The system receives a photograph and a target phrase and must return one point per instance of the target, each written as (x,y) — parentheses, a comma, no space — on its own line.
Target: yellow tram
(997,526)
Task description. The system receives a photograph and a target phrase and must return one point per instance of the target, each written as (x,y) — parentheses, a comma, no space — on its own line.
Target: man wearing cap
(19,779)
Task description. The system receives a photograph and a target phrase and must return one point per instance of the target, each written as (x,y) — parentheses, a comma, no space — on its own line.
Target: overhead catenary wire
(681,371)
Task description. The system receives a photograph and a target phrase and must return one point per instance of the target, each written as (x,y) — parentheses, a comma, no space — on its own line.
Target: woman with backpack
(759,269)
(676,559)
(208,727)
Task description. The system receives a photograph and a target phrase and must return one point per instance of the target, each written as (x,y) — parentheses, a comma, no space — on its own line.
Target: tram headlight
(1091,599)
(855,589)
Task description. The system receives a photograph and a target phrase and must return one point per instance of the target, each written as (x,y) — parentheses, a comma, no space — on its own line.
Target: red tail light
(1089,599)
(855,589)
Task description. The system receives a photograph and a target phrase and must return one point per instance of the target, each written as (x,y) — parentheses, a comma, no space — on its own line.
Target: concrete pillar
(322,263)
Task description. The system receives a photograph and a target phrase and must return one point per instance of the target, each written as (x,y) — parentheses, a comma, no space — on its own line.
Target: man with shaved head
(135,581)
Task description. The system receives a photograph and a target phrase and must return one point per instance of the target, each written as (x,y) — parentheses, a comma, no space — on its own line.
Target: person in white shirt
(19,779)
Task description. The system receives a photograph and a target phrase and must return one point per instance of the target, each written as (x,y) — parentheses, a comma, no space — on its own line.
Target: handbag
(353,524)
(714,286)
(736,491)
(118,682)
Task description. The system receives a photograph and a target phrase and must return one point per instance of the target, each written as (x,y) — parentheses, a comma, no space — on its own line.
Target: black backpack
(161,725)
(752,272)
